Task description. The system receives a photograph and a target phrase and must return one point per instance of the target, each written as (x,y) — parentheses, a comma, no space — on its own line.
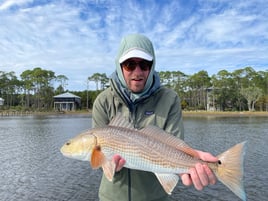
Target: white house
(2,101)
(67,102)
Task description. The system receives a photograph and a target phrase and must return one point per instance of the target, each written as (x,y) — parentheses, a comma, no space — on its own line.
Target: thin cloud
(78,38)
(10,3)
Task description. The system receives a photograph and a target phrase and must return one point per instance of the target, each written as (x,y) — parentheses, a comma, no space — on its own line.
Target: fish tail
(230,169)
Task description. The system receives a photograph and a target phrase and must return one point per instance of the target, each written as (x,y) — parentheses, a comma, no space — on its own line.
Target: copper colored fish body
(151,149)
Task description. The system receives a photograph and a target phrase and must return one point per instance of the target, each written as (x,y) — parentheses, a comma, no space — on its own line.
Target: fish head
(80,147)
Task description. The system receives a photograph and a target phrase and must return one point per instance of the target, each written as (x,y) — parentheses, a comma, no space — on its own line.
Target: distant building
(67,102)
(2,101)
(210,99)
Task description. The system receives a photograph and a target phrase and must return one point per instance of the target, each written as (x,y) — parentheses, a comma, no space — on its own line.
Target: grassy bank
(200,113)
(224,114)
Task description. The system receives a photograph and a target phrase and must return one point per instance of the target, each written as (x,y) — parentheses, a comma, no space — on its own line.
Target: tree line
(240,90)
(35,88)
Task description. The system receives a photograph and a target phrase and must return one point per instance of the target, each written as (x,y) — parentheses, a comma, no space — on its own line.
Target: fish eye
(68,143)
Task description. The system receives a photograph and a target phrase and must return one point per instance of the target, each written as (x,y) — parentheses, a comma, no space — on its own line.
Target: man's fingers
(186,179)
(119,162)
(202,175)
(195,179)
(205,156)
(211,176)
(116,158)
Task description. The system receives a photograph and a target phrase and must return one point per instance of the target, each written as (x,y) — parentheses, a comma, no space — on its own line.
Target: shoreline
(198,113)
(223,114)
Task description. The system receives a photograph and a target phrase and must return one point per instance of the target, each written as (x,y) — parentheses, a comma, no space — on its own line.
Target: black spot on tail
(98,148)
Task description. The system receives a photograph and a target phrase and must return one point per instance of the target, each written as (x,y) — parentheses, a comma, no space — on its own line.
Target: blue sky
(78,38)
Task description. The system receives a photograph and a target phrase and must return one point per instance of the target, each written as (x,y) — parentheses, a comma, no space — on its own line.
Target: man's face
(136,71)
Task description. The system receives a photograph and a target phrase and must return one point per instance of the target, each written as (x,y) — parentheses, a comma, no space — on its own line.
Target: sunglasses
(130,65)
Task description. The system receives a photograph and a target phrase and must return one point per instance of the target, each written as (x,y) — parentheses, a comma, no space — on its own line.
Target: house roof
(66,95)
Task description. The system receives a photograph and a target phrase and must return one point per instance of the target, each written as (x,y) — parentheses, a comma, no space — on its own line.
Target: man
(135,92)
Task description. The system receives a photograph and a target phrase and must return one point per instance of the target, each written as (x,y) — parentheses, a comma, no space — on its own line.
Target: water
(33,169)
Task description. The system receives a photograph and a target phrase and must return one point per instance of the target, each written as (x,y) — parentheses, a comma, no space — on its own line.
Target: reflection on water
(32,168)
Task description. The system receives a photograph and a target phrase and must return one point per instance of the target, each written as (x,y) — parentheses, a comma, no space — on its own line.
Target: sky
(78,38)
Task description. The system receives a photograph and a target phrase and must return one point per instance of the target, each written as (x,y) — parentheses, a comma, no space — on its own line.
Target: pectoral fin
(97,158)
(168,181)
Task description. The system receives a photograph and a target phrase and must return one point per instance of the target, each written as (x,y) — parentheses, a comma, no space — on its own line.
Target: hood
(140,43)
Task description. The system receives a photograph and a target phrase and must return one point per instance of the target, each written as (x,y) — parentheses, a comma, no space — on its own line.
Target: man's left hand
(200,175)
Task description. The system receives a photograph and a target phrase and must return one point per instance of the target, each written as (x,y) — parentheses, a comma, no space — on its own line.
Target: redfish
(152,149)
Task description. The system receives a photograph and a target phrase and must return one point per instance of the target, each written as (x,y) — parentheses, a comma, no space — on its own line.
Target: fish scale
(146,149)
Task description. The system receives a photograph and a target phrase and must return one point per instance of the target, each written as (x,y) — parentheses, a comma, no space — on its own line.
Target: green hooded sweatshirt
(155,105)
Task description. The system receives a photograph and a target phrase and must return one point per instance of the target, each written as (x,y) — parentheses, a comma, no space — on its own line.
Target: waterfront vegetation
(238,91)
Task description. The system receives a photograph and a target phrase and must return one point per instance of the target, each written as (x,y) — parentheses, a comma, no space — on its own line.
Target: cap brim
(136,54)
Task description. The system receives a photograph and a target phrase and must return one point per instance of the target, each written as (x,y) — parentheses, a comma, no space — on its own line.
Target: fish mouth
(70,155)
(80,156)
(65,153)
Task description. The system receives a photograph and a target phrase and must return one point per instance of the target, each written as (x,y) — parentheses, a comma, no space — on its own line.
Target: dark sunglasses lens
(145,65)
(131,65)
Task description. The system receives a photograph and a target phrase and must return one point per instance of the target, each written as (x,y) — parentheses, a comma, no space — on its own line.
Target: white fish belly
(134,161)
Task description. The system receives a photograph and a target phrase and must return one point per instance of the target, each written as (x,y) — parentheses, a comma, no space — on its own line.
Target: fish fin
(155,132)
(97,158)
(120,121)
(230,169)
(160,135)
(108,168)
(168,181)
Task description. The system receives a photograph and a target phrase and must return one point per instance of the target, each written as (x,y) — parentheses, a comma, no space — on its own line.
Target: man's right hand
(119,162)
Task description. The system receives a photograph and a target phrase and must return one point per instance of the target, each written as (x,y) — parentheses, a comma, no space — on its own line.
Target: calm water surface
(32,168)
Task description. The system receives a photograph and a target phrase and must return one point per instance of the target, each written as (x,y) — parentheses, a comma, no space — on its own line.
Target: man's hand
(119,162)
(201,175)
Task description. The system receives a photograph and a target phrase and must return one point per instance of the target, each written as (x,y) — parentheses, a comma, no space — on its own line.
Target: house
(2,101)
(67,102)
